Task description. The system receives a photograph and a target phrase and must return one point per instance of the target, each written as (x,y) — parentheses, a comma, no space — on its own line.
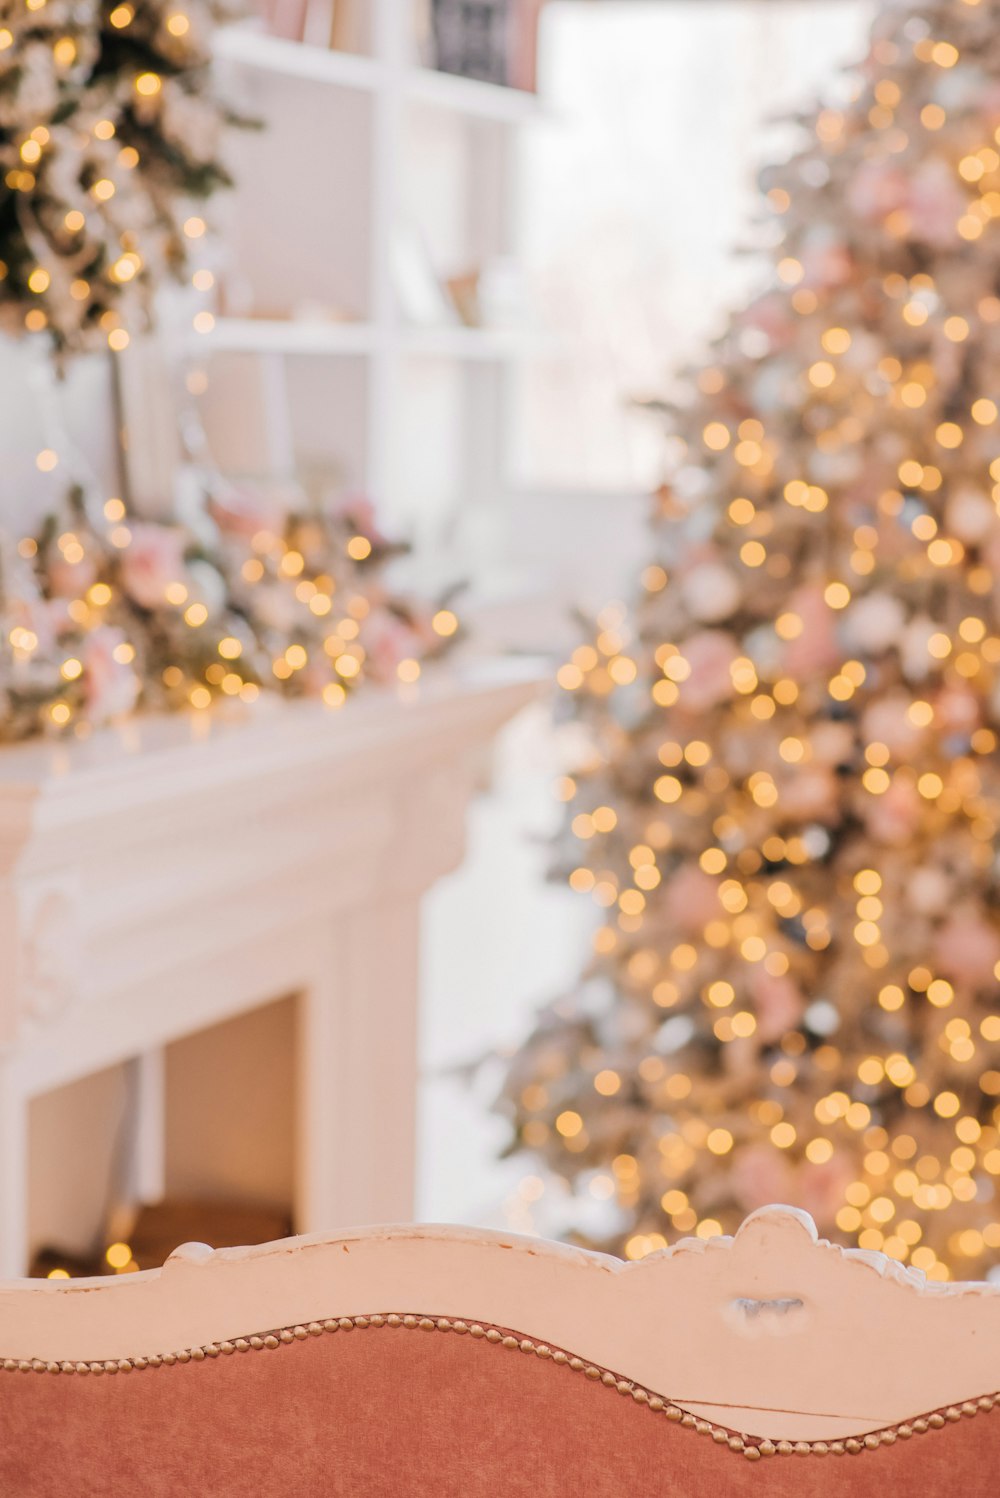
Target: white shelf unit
(315,360)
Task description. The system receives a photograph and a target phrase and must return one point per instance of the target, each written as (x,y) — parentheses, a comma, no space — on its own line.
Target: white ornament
(873,623)
(915,657)
(710,592)
(928,890)
(971,516)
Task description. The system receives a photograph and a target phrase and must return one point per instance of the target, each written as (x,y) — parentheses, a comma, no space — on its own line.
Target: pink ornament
(935,203)
(761,1175)
(710,654)
(832,743)
(110,687)
(928,890)
(769,315)
(991,550)
(886,722)
(691,899)
(956,710)
(967,949)
(777,1003)
(153,559)
(971,516)
(822,1187)
(809,793)
(876,190)
(826,265)
(815,649)
(894,817)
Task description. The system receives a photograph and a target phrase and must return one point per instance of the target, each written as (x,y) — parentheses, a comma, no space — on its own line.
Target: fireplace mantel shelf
(165,876)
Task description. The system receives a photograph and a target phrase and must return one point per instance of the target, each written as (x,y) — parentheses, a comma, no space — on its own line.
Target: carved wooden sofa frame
(441,1360)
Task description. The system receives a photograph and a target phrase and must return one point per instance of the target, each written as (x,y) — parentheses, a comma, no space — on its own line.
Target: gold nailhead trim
(750,1447)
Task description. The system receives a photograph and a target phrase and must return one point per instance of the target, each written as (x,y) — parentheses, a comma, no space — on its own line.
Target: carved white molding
(164,877)
(52,964)
(771,1332)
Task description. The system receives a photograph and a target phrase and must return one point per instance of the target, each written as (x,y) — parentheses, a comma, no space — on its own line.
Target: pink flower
(110,687)
(967,949)
(778,1005)
(710,654)
(47,619)
(153,559)
(691,899)
(246,512)
(69,579)
(360,511)
(387,640)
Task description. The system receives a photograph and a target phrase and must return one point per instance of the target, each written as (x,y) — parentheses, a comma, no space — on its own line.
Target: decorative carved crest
(771,1332)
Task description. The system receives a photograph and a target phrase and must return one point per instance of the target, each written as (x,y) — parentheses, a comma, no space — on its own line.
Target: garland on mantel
(102,612)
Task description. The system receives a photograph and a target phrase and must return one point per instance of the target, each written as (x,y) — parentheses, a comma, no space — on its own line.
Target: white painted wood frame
(160,879)
(771,1332)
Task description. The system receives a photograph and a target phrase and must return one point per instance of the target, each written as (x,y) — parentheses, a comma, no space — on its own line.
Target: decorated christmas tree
(789,811)
(109,137)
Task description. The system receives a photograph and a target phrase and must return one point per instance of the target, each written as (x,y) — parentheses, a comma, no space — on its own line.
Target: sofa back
(440,1361)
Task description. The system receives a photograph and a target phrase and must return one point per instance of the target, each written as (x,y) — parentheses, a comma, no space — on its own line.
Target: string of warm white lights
(788,821)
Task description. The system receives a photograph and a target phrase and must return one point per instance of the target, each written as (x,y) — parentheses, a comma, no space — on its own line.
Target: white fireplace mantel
(169,875)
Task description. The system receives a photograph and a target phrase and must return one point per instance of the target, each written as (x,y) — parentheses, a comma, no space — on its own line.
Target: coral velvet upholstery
(378,1413)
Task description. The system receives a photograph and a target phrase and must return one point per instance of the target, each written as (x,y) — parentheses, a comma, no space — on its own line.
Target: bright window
(636,196)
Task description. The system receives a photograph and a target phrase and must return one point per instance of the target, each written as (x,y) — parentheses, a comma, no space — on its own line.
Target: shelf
(469,96)
(251,47)
(257,49)
(478,344)
(263,335)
